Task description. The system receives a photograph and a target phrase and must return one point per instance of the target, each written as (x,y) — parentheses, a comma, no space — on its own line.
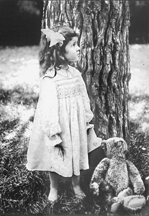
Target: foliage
(31,7)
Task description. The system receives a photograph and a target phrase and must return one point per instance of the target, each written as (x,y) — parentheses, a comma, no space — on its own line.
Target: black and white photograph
(74,107)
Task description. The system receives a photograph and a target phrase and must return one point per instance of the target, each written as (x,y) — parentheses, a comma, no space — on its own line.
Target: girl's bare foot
(76,186)
(78,192)
(53,195)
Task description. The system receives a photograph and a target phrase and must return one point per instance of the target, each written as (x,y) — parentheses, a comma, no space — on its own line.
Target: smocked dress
(62,114)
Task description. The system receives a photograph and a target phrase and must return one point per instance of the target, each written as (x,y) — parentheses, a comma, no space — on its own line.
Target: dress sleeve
(48,110)
(89,113)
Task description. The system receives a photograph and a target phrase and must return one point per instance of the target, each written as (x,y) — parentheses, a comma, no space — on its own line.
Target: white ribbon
(53,37)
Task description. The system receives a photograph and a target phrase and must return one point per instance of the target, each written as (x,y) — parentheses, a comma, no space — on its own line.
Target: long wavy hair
(54,57)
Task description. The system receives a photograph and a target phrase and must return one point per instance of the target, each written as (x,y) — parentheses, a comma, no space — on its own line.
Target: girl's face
(72,50)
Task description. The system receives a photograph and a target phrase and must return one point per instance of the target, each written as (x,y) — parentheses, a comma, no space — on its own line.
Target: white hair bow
(53,37)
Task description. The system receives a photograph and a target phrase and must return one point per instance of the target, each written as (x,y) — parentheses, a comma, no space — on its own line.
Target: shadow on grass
(139,149)
(7,125)
(18,95)
(137,98)
(21,191)
(139,112)
(139,132)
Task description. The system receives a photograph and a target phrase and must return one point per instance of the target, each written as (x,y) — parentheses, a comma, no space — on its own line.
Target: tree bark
(104,63)
(44,14)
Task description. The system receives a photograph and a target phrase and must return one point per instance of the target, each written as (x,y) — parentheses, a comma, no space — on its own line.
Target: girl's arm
(48,110)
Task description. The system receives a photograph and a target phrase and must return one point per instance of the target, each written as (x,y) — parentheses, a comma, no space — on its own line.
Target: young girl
(58,142)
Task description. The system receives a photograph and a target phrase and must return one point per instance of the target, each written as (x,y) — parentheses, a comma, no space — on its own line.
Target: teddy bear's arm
(99,175)
(135,178)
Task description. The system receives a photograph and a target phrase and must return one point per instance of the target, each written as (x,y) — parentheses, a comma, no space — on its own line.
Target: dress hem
(51,170)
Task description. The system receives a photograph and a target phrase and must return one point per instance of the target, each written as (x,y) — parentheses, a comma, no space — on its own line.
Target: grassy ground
(139,86)
(26,192)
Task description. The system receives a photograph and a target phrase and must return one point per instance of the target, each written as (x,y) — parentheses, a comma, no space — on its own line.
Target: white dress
(62,113)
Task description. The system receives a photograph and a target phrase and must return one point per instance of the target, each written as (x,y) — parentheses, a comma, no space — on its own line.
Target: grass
(24,192)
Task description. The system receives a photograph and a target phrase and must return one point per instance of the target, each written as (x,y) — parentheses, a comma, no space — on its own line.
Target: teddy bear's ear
(103,145)
(125,146)
(121,141)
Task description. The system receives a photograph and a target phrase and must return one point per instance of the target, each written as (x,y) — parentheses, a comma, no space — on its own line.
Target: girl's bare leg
(76,186)
(53,195)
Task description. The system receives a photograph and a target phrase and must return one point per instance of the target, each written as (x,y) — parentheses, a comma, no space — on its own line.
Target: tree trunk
(44,14)
(104,63)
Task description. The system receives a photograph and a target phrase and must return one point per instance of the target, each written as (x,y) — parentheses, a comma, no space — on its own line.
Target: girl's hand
(61,149)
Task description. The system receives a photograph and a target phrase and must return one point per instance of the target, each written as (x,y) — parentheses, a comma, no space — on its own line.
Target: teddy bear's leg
(134,202)
(118,201)
(126,192)
(116,204)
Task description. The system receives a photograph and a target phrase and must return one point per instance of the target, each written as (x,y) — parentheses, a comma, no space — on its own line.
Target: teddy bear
(116,179)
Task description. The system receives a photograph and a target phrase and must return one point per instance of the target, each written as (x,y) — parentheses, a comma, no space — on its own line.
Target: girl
(58,142)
